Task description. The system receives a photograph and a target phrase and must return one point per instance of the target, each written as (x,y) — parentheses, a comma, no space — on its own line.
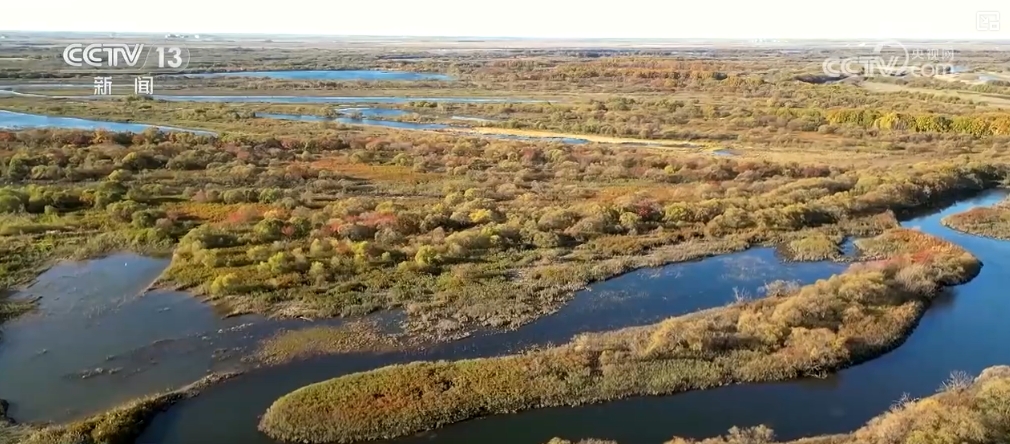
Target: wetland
(775,251)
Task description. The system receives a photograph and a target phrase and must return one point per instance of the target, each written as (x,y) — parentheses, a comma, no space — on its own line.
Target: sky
(735,19)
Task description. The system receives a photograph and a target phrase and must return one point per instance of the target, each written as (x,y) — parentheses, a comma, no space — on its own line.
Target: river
(964,330)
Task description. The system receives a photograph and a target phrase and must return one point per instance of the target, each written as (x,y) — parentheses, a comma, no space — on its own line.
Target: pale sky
(845,19)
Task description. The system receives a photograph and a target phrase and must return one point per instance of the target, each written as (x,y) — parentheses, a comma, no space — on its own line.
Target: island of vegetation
(819,328)
(991,222)
(964,411)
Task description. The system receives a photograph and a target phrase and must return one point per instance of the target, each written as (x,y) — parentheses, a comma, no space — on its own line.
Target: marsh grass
(353,336)
(10,309)
(822,327)
(816,246)
(121,425)
(991,222)
(965,410)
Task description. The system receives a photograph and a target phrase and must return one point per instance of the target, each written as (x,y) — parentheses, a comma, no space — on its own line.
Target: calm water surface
(98,339)
(17,120)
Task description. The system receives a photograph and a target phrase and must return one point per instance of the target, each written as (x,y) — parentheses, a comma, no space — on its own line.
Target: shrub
(427,256)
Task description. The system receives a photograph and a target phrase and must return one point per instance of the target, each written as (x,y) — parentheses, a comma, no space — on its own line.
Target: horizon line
(414,36)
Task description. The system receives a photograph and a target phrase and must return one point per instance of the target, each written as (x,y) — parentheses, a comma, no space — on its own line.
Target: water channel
(964,330)
(91,317)
(18,121)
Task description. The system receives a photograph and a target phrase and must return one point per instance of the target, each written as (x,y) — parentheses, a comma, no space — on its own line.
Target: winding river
(88,322)
(965,330)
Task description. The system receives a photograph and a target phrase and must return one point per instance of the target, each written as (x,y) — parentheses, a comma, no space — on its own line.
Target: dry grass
(354,336)
(987,99)
(10,309)
(991,222)
(825,326)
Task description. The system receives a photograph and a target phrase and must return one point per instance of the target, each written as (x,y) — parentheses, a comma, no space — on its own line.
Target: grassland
(822,327)
(356,336)
(963,411)
(991,222)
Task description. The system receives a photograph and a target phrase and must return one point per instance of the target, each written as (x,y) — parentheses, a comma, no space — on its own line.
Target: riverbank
(992,222)
(11,309)
(965,410)
(119,425)
(823,327)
